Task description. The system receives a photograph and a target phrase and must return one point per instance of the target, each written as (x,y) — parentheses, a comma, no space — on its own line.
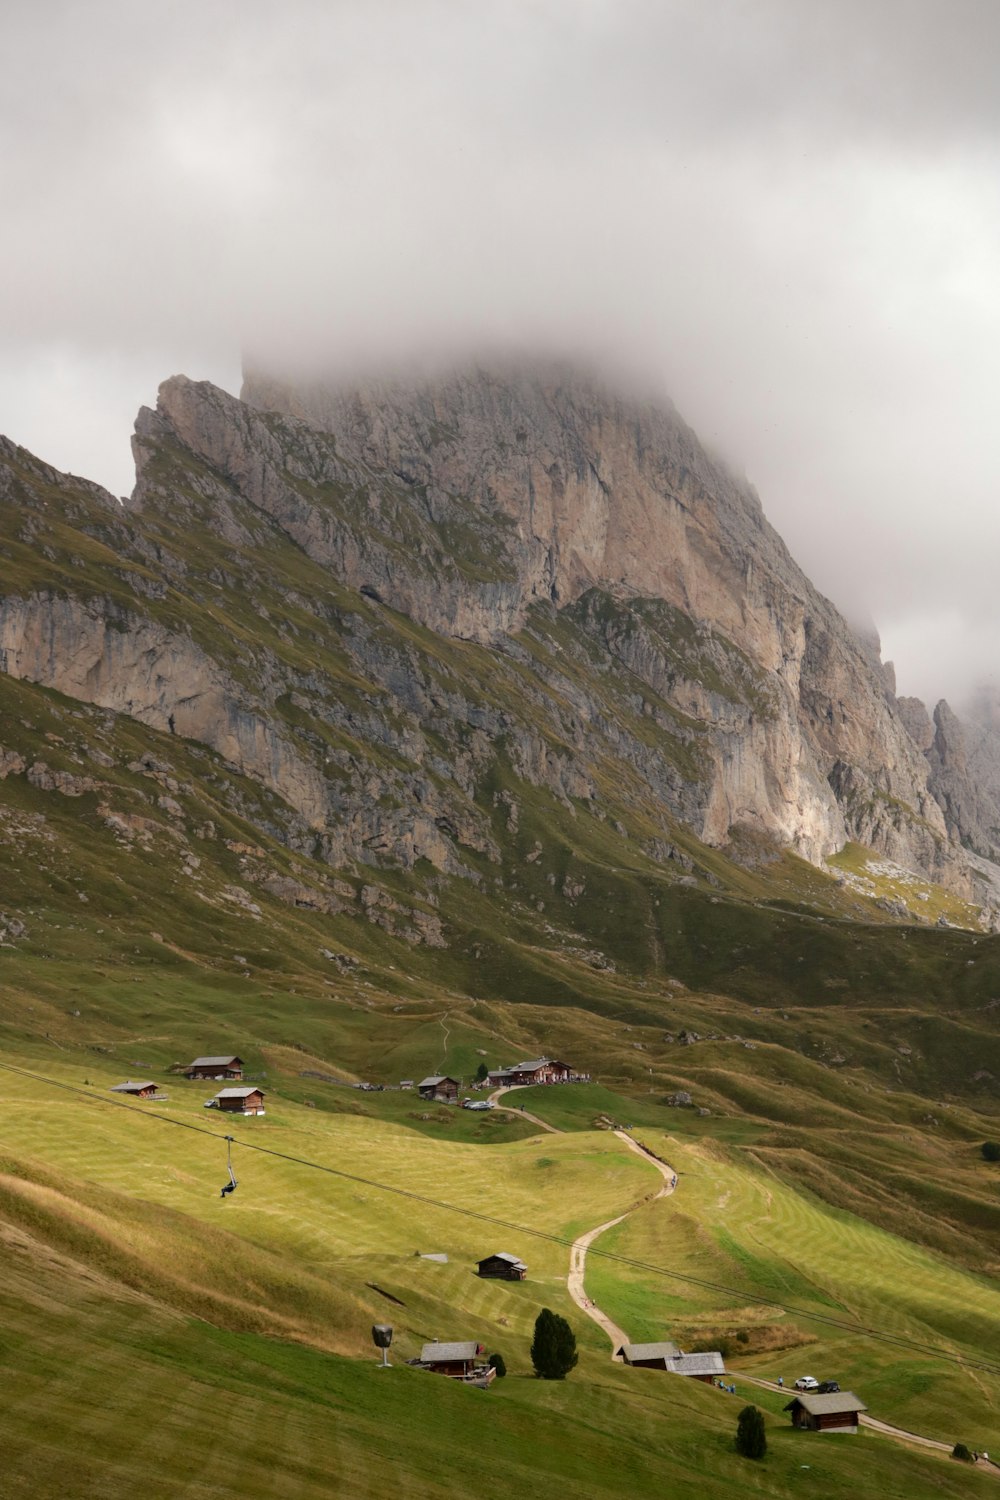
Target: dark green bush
(991,1150)
(498,1363)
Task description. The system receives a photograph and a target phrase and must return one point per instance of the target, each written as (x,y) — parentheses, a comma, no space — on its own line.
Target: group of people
(724,1387)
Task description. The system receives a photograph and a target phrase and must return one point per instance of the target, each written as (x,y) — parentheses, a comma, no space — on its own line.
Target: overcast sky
(788,211)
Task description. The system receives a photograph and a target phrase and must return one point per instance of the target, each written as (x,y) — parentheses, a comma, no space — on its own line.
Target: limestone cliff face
(593,491)
(96,653)
(405,609)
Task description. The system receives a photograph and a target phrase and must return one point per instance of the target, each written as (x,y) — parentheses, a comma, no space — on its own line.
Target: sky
(785,213)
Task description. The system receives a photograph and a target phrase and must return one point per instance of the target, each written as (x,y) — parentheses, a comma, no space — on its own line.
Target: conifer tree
(751,1439)
(553,1349)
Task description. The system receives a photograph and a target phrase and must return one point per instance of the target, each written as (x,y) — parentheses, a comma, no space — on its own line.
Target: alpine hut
(705,1367)
(215,1067)
(837,1411)
(503,1267)
(534,1070)
(243,1101)
(440,1088)
(649,1356)
(462,1361)
(137,1090)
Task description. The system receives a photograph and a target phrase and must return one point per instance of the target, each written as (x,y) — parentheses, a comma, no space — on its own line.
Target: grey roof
(697,1364)
(128,1086)
(426,1083)
(214,1062)
(240,1093)
(512,1260)
(533,1063)
(664,1350)
(827,1405)
(436,1353)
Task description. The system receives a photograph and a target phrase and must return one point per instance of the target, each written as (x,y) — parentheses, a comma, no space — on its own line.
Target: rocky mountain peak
(637,612)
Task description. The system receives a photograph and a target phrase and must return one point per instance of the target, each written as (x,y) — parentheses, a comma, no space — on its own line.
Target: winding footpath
(522,1114)
(618,1336)
(580,1246)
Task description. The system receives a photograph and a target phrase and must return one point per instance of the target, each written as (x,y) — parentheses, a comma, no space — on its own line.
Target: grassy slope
(119,1239)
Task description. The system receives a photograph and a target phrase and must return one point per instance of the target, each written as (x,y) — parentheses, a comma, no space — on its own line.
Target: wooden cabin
(137,1090)
(245,1101)
(457,1360)
(649,1356)
(836,1412)
(215,1067)
(440,1088)
(704,1367)
(503,1267)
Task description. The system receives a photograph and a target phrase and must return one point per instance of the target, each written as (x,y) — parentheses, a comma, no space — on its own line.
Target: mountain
(383,602)
(399,730)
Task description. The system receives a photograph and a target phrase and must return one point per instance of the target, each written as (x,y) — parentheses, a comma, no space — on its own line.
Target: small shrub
(991,1150)
(960,1451)
(751,1438)
(497,1362)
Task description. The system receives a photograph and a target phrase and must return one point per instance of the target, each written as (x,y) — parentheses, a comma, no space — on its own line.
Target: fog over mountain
(782,215)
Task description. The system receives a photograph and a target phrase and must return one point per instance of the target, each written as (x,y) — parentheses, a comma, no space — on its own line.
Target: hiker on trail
(781,1382)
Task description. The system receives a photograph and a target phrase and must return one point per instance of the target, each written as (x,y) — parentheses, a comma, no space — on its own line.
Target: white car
(478,1104)
(806,1383)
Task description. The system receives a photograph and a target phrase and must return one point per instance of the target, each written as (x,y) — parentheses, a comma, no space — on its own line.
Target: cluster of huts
(815,1411)
(241,1099)
(442,1089)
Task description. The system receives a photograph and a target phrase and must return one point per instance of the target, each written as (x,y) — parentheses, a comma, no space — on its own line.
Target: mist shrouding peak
(786,213)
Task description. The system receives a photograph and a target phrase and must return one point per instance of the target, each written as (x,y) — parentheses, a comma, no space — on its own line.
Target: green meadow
(152,1328)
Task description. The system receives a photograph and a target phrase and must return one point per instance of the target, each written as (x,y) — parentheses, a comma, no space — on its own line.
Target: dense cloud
(783,212)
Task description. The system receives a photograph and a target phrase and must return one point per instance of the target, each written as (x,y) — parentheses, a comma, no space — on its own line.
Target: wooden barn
(215,1067)
(649,1356)
(439,1087)
(138,1090)
(503,1267)
(245,1101)
(705,1367)
(837,1412)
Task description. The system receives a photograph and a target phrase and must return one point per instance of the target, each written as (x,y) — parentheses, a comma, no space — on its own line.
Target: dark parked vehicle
(827,1388)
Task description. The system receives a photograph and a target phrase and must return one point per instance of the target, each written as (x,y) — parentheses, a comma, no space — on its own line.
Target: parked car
(477,1104)
(807,1383)
(827,1388)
